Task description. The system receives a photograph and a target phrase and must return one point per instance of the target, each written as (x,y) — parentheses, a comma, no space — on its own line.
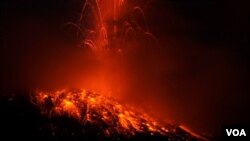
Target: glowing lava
(89,107)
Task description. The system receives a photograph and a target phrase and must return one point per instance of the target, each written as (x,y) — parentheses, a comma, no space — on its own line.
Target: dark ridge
(22,119)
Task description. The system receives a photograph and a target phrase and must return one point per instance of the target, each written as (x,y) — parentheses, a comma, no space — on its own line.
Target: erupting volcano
(116,34)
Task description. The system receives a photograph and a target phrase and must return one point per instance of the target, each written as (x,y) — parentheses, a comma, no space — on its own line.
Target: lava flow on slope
(104,117)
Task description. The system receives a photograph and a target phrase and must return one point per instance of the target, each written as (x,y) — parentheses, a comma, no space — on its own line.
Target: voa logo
(236,132)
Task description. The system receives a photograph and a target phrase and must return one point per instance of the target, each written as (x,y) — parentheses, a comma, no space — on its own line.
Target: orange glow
(70,108)
(115,40)
(85,106)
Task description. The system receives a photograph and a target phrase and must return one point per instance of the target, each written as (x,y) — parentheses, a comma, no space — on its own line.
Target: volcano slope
(79,115)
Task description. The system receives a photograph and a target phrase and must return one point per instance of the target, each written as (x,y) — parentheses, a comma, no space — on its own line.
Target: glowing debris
(85,106)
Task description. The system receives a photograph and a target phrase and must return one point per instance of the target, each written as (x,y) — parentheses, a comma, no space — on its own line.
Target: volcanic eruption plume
(114,28)
(116,35)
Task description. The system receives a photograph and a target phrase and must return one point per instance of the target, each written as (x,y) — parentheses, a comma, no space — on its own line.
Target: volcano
(76,114)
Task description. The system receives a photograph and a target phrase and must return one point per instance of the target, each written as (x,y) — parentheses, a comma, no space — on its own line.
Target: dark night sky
(206,44)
